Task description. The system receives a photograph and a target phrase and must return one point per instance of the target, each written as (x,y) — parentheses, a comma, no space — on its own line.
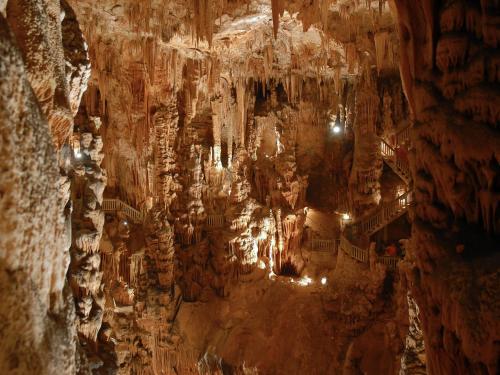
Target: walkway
(113,205)
(386,213)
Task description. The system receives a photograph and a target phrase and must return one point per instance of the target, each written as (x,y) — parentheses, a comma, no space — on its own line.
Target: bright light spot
(125,222)
(78,154)
(336,129)
(401,191)
(323,281)
(346,216)
(255,249)
(271,261)
(262,236)
(262,265)
(306,280)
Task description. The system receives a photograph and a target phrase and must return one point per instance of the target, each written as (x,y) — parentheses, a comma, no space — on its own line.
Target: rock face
(235,188)
(39,332)
(448,74)
(85,277)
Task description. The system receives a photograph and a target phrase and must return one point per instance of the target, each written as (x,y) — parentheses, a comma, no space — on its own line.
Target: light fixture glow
(306,280)
(346,216)
(323,281)
(125,222)
(336,129)
(78,154)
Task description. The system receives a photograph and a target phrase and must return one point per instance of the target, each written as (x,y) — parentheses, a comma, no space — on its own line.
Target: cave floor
(283,325)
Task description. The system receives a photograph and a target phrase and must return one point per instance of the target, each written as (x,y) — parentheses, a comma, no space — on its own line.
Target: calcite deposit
(249,187)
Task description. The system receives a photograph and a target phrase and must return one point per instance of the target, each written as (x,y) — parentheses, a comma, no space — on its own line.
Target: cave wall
(193,133)
(212,130)
(449,70)
(42,81)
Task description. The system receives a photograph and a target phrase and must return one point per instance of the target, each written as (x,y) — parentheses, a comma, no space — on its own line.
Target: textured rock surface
(38,332)
(241,191)
(448,74)
(84,275)
(38,319)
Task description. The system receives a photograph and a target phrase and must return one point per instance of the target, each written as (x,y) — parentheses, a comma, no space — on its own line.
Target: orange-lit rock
(250,187)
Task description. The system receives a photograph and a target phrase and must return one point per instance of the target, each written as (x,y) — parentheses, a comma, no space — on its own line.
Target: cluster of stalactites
(88,220)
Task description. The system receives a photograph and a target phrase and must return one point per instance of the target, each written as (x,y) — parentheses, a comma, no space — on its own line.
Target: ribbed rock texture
(235,189)
(450,74)
(38,334)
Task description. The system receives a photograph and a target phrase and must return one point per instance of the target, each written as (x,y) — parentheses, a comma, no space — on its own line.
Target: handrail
(383,216)
(387,212)
(363,255)
(403,136)
(215,221)
(390,261)
(353,251)
(112,204)
(369,225)
(319,244)
(390,156)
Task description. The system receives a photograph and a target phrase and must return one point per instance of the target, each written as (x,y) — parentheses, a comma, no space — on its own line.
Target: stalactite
(241,99)
(277,11)
(84,276)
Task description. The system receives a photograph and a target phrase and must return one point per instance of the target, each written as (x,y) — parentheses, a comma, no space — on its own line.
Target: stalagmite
(249,187)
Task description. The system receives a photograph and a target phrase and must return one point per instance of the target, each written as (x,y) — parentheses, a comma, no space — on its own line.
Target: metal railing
(319,244)
(399,166)
(111,205)
(387,212)
(354,251)
(363,255)
(383,216)
(215,221)
(403,136)
(390,262)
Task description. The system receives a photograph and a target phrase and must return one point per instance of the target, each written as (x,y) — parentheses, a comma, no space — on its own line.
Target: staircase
(394,161)
(403,137)
(112,205)
(384,215)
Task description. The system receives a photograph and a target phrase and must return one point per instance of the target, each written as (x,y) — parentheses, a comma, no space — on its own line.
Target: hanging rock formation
(450,78)
(249,187)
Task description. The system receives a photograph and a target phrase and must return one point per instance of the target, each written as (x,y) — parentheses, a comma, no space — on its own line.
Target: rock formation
(452,87)
(249,187)
(37,119)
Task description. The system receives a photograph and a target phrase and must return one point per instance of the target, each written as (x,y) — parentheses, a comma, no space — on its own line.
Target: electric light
(336,129)
(346,216)
(323,281)
(125,222)
(306,280)
(78,154)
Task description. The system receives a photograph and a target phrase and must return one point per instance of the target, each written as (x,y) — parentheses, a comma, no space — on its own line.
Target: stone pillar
(451,83)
